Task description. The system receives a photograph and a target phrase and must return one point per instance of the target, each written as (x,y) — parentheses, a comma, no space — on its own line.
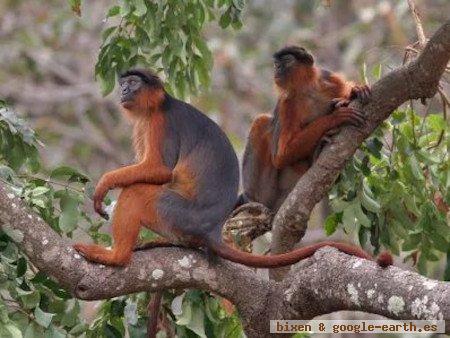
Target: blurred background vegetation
(59,57)
(48,56)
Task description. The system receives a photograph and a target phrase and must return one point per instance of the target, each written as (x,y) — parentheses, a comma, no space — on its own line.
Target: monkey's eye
(288,58)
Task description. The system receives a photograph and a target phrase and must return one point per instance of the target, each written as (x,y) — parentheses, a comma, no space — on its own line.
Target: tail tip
(385,259)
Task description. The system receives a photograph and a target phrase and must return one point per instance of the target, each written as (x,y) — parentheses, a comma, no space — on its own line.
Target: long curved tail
(259,261)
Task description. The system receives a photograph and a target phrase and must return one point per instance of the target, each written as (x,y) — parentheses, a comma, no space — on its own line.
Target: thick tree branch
(415,80)
(330,281)
(151,270)
(304,294)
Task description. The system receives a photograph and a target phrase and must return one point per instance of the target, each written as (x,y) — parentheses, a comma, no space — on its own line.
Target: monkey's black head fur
(300,54)
(289,57)
(147,76)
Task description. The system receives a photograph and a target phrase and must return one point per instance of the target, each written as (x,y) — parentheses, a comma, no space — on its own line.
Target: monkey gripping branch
(329,281)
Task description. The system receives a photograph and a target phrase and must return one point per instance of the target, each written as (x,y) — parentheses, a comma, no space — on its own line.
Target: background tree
(393,193)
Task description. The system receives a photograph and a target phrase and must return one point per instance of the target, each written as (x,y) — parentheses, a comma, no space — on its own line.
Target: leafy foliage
(203,315)
(32,304)
(193,313)
(395,191)
(166,37)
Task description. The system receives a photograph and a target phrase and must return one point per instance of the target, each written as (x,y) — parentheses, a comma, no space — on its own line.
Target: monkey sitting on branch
(312,104)
(185,183)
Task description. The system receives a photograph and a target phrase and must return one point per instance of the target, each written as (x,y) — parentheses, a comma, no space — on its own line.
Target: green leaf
(70,317)
(225,20)
(3,313)
(186,315)
(30,299)
(107,32)
(43,318)
(38,202)
(76,6)
(236,23)
(361,216)
(439,241)
(68,220)
(436,122)
(65,172)
(69,212)
(415,167)
(107,81)
(239,4)
(432,257)
(113,11)
(367,199)
(41,278)
(125,9)
(447,267)
(197,322)
(21,266)
(39,191)
(141,8)
(6,172)
(376,72)
(374,145)
(111,332)
(54,332)
(398,116)
(10,253)
(14,332)
(20,319)
(331,224)
(33,331)
(78,329)
(15,234)
(412,242)
(117,307)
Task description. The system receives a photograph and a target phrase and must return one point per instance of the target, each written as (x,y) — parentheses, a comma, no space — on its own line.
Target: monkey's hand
(343,114)
(101,190)
(361,93)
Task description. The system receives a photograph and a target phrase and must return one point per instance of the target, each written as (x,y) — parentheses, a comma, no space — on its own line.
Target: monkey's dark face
(130,86)
(288,59)
(140,90)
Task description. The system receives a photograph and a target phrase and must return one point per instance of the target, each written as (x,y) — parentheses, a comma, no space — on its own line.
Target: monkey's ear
(309,59)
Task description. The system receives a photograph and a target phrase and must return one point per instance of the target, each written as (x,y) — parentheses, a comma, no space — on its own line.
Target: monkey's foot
(338,103)
(99,254)
(347,115)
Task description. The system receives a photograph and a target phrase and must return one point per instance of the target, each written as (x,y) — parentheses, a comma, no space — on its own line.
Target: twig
(418,22)
(51,182)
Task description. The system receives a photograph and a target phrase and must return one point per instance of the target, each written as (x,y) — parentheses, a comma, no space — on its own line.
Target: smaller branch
(418,23)
(67,186)
(445,102)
